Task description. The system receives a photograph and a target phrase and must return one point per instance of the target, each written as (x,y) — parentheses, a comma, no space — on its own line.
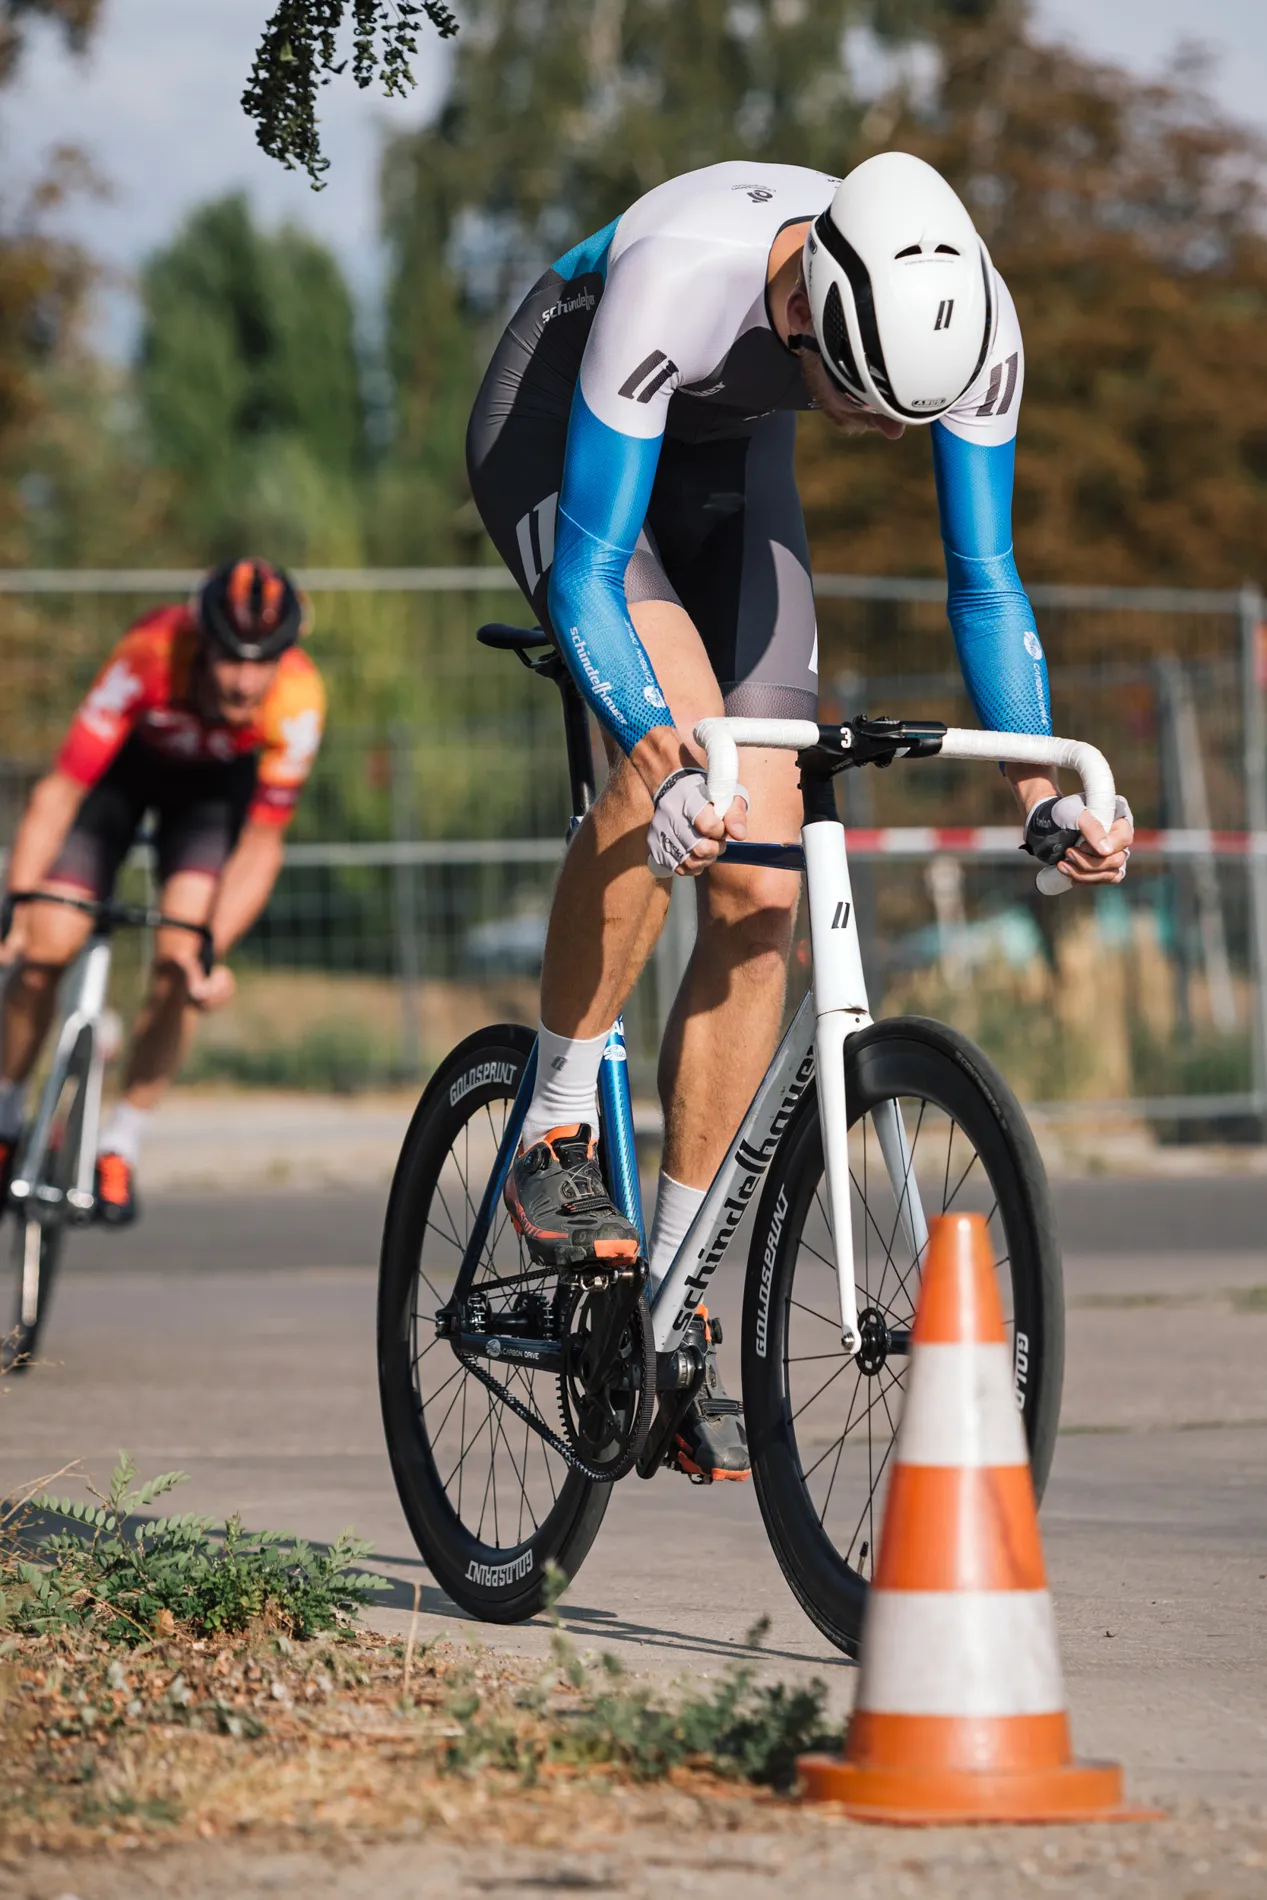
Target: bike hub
(879,1341)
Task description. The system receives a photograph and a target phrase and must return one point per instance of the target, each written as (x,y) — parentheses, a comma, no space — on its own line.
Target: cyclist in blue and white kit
(630,452)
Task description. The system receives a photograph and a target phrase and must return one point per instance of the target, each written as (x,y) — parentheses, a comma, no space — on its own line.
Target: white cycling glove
(678,802)
(1052,827)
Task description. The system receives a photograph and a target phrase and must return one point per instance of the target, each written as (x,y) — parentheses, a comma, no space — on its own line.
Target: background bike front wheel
(821,1424)
(490,1503)
(35,1252)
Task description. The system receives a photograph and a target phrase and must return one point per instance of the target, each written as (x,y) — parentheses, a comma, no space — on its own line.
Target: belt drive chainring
(607,1385)
(607,1406)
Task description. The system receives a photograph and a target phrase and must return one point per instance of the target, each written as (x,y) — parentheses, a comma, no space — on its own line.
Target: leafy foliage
(740,1727)
(126,1582)
(250,387)
(298,54)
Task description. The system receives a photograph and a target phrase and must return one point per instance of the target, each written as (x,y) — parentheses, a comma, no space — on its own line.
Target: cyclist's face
(240,687)
(850,417)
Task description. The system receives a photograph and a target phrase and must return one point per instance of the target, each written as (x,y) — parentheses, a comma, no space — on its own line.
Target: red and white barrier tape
(1003,842)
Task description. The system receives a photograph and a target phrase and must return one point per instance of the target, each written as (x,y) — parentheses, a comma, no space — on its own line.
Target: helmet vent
(913,250)
(946,250)
(836,340)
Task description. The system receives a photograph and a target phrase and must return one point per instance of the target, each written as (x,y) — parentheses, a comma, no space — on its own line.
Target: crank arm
(674,1405)
(614,1314)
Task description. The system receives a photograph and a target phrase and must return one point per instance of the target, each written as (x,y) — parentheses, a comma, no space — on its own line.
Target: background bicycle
(52,1184)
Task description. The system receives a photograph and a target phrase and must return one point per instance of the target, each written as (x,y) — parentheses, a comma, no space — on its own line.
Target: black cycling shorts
(199,809)
(724,536)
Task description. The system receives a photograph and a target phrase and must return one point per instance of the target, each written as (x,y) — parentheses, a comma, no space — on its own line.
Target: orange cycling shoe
(559,1202)
(711,1443)
(116,1194)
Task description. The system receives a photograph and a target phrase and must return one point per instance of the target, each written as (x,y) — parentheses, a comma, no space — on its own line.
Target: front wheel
(36,1247)
(821,1424)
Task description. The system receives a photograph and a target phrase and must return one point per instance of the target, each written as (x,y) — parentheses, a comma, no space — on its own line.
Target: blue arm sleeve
(603,501)
(990,615)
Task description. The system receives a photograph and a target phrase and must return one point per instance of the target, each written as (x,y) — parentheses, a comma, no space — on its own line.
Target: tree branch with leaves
(300,52)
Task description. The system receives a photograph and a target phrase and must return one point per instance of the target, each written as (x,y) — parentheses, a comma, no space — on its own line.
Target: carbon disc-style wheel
(821,1424)
(491,1503)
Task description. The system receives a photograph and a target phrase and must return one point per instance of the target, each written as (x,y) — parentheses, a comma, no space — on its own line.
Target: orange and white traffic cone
(960,1714)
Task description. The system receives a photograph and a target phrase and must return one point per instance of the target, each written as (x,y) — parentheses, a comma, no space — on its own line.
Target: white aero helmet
(901,289)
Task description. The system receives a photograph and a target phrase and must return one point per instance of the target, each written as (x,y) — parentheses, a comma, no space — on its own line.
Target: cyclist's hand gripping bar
(878,742)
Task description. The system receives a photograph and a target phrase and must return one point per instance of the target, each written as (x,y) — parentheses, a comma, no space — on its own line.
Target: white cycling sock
(12,1103)
(123,1132)
(567,1083)
(675,1208)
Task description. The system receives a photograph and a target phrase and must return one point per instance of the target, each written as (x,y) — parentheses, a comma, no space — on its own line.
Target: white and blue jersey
(633,440)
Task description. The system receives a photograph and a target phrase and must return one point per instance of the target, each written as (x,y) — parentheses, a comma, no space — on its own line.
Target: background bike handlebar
(113,916)
(721,739)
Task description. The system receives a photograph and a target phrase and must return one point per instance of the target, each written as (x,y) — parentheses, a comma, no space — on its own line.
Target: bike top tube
(108,915)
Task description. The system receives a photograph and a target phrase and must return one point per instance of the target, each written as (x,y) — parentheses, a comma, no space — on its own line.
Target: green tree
(559,116)
(250,387)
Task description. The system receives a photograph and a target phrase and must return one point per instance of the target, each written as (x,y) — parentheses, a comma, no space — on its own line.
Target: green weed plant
(126,1582)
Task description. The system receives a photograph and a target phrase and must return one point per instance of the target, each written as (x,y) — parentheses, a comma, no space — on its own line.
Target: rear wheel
(821,1424)
(491,1503)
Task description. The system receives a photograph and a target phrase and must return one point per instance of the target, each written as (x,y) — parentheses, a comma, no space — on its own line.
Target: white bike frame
(835,1009)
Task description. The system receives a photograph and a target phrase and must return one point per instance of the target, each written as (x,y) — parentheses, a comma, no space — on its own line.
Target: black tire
(35,1252)
(36,1243)
(971,1148)
(492,1562)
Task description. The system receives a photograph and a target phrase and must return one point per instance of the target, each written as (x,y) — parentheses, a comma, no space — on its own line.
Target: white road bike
(52,1185)
(515,1395)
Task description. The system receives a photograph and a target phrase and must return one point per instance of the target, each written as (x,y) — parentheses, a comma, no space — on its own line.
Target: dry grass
(202,1739)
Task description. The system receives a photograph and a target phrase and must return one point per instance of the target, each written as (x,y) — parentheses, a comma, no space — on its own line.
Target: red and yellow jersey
(143,691)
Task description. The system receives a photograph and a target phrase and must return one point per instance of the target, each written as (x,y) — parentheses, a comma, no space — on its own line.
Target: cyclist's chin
(238,712)
(849,417)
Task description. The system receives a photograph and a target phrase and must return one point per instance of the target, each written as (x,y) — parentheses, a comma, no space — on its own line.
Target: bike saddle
(511,639)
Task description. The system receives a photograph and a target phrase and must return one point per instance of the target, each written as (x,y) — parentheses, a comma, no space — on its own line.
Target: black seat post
(576,730)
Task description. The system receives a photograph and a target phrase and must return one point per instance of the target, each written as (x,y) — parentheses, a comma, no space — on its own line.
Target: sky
(155,106)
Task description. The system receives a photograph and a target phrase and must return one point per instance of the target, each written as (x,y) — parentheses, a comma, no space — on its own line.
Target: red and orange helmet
(250,610)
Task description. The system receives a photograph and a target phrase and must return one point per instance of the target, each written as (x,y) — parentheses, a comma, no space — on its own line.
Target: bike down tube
(735,1183)
(87,987)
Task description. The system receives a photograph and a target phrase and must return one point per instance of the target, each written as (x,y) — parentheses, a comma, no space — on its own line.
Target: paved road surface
(236,1340)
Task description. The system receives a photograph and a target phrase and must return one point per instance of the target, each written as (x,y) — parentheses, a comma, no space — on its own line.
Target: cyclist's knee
(37,976)
(748,917)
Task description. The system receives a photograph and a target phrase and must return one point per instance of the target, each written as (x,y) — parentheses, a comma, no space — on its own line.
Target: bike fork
(841,1009)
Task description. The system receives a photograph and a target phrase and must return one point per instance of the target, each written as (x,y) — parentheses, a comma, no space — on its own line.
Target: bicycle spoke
(501,1490)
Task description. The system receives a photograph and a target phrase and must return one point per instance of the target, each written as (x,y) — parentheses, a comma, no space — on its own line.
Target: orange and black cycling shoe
(711,1442)
(115,1190)
(559,1202)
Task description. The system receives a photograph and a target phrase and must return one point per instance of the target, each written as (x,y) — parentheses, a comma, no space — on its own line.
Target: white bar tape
(721,739)
(960,1652)
(961,1408)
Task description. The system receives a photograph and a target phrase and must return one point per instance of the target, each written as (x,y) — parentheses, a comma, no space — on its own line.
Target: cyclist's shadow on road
(583,1620)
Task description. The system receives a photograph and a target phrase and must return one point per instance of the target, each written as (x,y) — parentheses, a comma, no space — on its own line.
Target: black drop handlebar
(108,916)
